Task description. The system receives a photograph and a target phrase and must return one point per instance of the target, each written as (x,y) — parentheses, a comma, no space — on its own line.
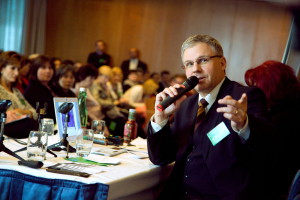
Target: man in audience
(133,63)
(165,78)
(99,57)
(220,147)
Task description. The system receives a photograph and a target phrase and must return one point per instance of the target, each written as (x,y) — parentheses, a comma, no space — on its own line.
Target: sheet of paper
(103,159)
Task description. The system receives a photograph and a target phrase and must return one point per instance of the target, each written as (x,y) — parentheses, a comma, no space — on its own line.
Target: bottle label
(128,130)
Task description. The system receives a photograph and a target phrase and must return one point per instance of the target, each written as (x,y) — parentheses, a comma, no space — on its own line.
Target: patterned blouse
(17,99)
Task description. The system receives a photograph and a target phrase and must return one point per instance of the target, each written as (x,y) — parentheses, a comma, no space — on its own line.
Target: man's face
(133,53)
(209,74)
(100,46)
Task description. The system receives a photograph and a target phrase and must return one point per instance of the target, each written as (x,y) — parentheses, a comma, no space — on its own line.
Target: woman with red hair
(282,90)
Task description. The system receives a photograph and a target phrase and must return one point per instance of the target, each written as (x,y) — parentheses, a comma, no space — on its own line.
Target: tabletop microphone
(189,84)
(65,107)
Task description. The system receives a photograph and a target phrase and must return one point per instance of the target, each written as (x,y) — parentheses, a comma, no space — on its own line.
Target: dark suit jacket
(125,67)
(230,170)
(98,60)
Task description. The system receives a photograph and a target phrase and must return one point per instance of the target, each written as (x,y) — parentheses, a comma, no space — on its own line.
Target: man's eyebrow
(196,58)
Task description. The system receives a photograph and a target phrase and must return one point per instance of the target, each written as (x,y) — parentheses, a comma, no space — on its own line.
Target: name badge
(218,133)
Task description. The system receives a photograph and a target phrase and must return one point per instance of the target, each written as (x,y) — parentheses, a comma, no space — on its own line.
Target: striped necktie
(201,112)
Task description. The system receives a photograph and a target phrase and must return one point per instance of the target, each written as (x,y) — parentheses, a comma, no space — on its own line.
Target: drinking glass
(98,127)
(48,126)
(84,142)
(37,145)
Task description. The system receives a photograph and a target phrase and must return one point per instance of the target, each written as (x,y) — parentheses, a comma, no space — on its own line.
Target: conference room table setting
(108,172)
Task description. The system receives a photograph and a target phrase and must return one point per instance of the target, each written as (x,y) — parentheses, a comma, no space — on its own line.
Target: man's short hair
(193,40)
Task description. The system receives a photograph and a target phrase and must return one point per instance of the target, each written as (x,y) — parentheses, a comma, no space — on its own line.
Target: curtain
(11,24)
(22,26)
(33,39)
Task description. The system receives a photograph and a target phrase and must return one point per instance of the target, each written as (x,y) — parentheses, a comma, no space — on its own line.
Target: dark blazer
(230,170)
(125,67)
(36,92)
(98,60)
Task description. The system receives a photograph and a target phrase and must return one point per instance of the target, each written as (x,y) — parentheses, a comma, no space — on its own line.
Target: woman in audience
(115,84)
(40,78)
(282,90)
(10,63)
(85,76)
(64,80)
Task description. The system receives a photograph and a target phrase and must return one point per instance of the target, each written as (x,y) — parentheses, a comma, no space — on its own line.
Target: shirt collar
(211,97)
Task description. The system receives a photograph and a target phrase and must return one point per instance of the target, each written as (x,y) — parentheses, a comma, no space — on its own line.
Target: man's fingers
(228,101)
(243,99)
(228,109)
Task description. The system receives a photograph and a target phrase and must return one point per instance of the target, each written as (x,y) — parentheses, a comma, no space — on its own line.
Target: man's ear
(223,63)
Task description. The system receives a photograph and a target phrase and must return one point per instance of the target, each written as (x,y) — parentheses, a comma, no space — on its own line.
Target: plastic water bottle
(82,107)
(130,128)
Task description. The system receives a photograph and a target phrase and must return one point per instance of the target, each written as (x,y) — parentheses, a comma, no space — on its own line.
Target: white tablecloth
(132,179)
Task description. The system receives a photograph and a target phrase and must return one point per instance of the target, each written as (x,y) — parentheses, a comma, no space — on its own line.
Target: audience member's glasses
(202,60)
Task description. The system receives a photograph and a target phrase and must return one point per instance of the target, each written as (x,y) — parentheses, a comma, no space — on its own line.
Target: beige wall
(250,31)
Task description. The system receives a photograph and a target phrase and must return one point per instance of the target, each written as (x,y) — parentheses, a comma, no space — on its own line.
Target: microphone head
(65,107)
(4,105)
(191,82)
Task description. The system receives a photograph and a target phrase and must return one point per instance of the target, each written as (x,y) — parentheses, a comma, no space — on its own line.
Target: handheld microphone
(189,84)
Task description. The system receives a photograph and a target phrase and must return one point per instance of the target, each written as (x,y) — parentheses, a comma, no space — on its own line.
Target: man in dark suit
(222,155)
(99,57)
(134,63)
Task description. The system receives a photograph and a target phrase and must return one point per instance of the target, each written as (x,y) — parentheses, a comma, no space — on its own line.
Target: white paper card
(218,133)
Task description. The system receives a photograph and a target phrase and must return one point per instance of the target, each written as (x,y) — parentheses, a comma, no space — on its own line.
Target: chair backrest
(294,193)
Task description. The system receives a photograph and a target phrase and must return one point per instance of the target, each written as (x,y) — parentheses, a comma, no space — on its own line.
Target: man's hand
(235,111)
(171,91)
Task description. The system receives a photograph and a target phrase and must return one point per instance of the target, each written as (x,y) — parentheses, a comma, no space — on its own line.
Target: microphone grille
(192,81)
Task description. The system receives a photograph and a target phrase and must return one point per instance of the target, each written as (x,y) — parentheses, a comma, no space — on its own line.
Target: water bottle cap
(82,89)
(132,110)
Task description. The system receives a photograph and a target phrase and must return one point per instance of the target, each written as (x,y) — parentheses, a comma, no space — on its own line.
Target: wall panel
(250,31)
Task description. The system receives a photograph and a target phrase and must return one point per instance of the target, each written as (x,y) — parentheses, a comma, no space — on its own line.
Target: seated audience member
(68,62)
(85,76)
(282,89)
(134,63)
(40,77)
(113,117)
(10,63)
(99,57)
(165,78)
(115,85)
(132,80)
(150,87)
(56,62)
(64,80)
(156,77)
(23,79)
(101,93)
